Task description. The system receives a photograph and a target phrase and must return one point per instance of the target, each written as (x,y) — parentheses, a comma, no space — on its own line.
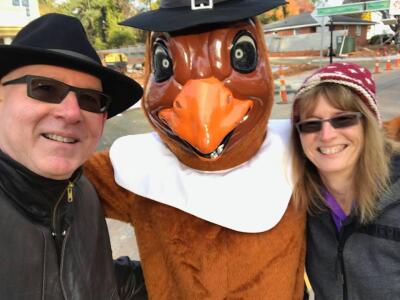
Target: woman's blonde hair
(373,167)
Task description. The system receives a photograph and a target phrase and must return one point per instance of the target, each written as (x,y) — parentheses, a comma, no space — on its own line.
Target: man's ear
(105,115)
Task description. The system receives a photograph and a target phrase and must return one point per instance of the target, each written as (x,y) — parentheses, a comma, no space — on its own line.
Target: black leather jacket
(54,240)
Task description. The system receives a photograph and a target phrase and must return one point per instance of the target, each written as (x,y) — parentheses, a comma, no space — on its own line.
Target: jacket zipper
(346,231)
(62,263)
(54,233)
(69,192)
(70,199)
(342,271)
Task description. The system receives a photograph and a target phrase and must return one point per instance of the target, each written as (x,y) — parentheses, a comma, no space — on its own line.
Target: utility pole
(322,21)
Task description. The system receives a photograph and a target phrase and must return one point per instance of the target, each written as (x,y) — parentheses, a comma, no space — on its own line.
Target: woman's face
(334,151)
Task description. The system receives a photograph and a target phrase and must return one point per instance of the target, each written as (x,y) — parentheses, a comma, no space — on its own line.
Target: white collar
(249,198)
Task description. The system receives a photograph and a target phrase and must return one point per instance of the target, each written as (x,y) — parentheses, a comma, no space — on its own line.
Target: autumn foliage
(293,8)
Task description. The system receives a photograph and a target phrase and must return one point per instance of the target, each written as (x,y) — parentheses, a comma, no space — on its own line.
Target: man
(54,99)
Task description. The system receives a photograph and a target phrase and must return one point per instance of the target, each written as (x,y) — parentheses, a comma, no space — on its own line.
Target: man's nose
(69,108)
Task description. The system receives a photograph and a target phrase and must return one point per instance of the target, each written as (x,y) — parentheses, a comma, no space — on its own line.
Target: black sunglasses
(341,121)
(53,91)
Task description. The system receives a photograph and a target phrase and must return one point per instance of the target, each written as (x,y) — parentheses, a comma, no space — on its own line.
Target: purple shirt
(337,212)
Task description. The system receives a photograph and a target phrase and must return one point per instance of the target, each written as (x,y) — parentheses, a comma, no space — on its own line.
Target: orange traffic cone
(398,60)
(388,63)
(376,69)
(282,86)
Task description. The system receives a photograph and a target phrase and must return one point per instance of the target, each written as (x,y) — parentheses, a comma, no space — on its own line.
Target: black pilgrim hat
(176,15)
(60,40)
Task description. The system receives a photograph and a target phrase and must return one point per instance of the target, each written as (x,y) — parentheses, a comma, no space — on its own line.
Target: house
(303,32)
(15,14)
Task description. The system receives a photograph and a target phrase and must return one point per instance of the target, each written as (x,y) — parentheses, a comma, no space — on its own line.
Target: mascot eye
(244,53)
(162,63)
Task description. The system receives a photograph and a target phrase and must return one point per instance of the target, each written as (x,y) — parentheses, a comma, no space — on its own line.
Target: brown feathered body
(392,128)
(183,256)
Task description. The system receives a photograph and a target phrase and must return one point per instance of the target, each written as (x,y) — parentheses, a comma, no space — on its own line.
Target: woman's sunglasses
(53,91)
(341,121)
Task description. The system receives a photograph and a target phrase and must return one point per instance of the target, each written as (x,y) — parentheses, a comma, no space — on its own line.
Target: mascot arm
(392,128)
(115,199)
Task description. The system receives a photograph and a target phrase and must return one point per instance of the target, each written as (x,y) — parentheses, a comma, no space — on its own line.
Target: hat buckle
(202,4)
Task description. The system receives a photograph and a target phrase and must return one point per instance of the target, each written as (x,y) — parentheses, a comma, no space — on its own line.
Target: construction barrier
(282,86)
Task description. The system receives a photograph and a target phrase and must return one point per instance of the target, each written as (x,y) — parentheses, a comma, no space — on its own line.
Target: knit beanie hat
(353,76)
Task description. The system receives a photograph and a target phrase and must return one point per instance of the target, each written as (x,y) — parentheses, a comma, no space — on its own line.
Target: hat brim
(174,19)
(124,91)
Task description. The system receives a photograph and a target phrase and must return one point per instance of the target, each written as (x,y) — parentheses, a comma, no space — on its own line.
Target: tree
(46,6)
(100,19)
(144,5)
(293,8)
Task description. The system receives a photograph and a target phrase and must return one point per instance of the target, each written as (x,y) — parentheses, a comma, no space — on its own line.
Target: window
(358,30)
(25,3)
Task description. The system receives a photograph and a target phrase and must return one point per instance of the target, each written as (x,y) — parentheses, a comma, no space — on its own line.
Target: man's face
(51,140)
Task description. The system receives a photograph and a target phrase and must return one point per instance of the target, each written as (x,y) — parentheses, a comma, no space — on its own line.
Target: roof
(306,20)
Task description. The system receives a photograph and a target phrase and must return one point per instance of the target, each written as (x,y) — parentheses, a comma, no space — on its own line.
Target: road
(388,93)
(134,122)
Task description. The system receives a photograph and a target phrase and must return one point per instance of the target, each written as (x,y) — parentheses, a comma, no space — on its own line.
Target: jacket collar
(31,193)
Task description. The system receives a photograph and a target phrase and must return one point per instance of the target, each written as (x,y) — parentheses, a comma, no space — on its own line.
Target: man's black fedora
(60,40)
(175,15)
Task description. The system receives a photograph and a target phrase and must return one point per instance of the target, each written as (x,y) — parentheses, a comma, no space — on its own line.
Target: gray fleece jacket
(359,262)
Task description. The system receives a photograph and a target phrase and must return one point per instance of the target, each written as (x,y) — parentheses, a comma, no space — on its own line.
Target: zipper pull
(69,192)
(309,289)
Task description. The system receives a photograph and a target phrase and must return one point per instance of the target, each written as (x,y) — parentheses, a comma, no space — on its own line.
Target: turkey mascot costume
(392,128)
(207,192)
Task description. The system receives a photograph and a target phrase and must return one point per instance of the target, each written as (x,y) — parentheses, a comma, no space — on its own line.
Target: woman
(347,175)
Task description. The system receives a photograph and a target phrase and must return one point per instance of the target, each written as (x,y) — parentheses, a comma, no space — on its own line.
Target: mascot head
(208,89)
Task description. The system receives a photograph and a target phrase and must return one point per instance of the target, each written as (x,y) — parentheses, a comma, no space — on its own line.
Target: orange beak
(204,113)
